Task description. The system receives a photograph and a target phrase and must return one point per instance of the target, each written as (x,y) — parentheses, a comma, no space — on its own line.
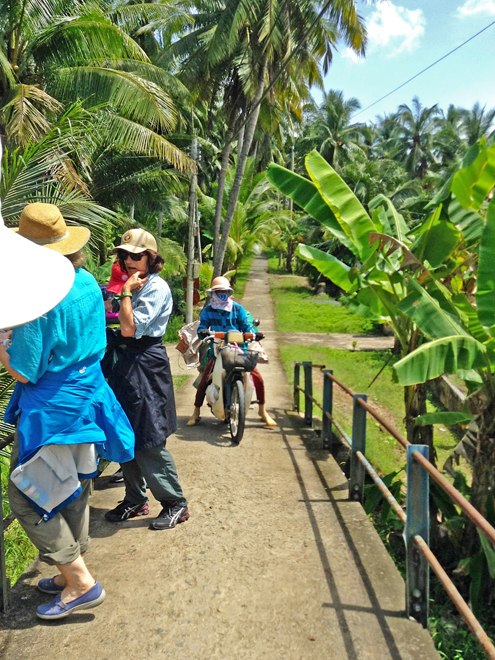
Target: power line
(428,67)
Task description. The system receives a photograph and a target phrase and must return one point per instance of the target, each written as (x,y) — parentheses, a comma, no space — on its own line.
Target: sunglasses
(122,255)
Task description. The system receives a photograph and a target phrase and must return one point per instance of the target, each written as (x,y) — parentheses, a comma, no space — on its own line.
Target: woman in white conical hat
(62,406)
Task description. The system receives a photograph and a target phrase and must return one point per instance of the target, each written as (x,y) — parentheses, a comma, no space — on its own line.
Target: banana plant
(380,243)
(423,284)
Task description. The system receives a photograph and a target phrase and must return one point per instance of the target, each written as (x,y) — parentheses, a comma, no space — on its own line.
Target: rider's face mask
(222,300)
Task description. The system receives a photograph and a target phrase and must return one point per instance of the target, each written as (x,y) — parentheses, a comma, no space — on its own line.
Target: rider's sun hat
(137,240)
(44,224)
(220,284)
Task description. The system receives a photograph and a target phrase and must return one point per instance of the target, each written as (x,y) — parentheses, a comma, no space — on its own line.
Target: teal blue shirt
(72,331)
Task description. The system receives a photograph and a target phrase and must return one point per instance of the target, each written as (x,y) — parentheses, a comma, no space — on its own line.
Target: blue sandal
(49,586)
(57,609)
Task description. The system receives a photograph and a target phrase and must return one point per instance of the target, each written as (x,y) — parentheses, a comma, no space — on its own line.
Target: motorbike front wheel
(237,417)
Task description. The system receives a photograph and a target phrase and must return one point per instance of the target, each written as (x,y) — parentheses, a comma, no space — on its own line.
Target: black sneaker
(171,515)
(118,477)
(125,510)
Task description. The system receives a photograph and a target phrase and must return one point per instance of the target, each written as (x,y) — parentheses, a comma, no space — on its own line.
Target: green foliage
(298,310)
(446,418)
(374,496)
(472,183)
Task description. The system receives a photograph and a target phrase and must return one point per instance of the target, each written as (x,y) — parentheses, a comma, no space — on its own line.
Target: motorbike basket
(231,358)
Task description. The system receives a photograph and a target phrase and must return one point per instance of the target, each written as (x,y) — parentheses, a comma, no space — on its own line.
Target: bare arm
(5,359)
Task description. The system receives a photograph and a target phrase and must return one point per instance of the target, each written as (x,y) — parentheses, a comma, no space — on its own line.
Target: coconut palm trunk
(221,180)
(241,165)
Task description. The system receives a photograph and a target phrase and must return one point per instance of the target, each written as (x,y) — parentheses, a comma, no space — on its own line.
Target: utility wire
(428,67)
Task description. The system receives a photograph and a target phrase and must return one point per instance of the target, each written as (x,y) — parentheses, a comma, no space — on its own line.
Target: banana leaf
(305,194)
(396,225)
(447,418)
(328,265)
(469,222)
(346,207)
(433,319)
(436,240)
(472,184)
(474,326)
(441,356)
(485,295)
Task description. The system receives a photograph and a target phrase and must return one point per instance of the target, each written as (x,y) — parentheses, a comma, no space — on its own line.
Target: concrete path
(342,341)
(274,564)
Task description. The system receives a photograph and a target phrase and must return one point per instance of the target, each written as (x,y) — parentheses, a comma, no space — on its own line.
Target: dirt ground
(275,562)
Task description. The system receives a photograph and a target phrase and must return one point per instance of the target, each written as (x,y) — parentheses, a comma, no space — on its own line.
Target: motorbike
(230,392)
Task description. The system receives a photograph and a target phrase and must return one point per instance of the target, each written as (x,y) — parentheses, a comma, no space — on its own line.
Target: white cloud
(471,7)
(349,54)
(396,28)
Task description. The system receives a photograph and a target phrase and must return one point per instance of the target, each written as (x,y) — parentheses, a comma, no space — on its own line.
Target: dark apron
(142,382)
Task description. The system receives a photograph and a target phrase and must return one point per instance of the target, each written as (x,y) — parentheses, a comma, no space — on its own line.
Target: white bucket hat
(33,278)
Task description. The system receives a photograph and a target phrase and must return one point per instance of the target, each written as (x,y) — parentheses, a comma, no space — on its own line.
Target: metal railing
(419,557)
(4,524)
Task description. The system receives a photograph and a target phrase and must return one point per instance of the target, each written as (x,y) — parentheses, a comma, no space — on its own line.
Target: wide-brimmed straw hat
(220,284)
(137,240)
(44,225)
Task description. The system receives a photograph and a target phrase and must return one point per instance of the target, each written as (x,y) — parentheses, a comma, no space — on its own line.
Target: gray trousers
(156,469)
(64,537)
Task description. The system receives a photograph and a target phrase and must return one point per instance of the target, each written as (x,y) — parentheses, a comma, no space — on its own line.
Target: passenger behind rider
(222,315)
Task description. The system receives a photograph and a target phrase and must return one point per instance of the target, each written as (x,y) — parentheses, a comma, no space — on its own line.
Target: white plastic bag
(189,344)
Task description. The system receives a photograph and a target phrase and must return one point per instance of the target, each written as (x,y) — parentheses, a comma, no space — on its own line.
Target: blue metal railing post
(308,393)
(4,580)
(297,378)
(326,424)
(417,523)
(356,481)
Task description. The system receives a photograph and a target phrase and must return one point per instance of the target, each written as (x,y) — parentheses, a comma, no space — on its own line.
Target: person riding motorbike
(222,315)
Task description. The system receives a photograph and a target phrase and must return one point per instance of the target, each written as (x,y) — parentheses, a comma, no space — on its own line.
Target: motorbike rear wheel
(237,417)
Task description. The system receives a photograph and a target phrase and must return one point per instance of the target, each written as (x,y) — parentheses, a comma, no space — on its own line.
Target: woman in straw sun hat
(222,315)
(63,410)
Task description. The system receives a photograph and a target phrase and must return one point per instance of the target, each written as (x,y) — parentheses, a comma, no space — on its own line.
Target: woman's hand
(5,335)
(134,283)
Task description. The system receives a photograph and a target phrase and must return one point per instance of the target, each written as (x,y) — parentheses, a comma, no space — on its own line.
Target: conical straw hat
(33,279)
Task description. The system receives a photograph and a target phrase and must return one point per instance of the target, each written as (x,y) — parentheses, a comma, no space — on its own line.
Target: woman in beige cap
(63,410)
(142,382)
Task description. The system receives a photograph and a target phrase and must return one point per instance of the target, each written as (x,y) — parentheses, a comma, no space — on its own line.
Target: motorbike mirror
(256,322)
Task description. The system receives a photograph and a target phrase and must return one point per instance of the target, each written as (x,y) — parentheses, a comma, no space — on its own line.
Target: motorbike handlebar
(248,336)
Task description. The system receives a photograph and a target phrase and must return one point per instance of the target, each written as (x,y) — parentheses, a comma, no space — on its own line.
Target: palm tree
(243,49)
(45,172)
(257,217)
(478,123)
(330,130)
(414,129)
(54,52)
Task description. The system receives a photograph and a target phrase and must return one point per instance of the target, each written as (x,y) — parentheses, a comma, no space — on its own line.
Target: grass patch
(179,381)
(175,323)
(298,310)
(19,551)
(357,370)
(241,277)
(274,267)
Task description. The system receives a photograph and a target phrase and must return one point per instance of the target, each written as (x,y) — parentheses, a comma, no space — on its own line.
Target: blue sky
(404,37)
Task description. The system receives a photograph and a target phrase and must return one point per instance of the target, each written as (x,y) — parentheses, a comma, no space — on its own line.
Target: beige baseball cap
(137,240)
